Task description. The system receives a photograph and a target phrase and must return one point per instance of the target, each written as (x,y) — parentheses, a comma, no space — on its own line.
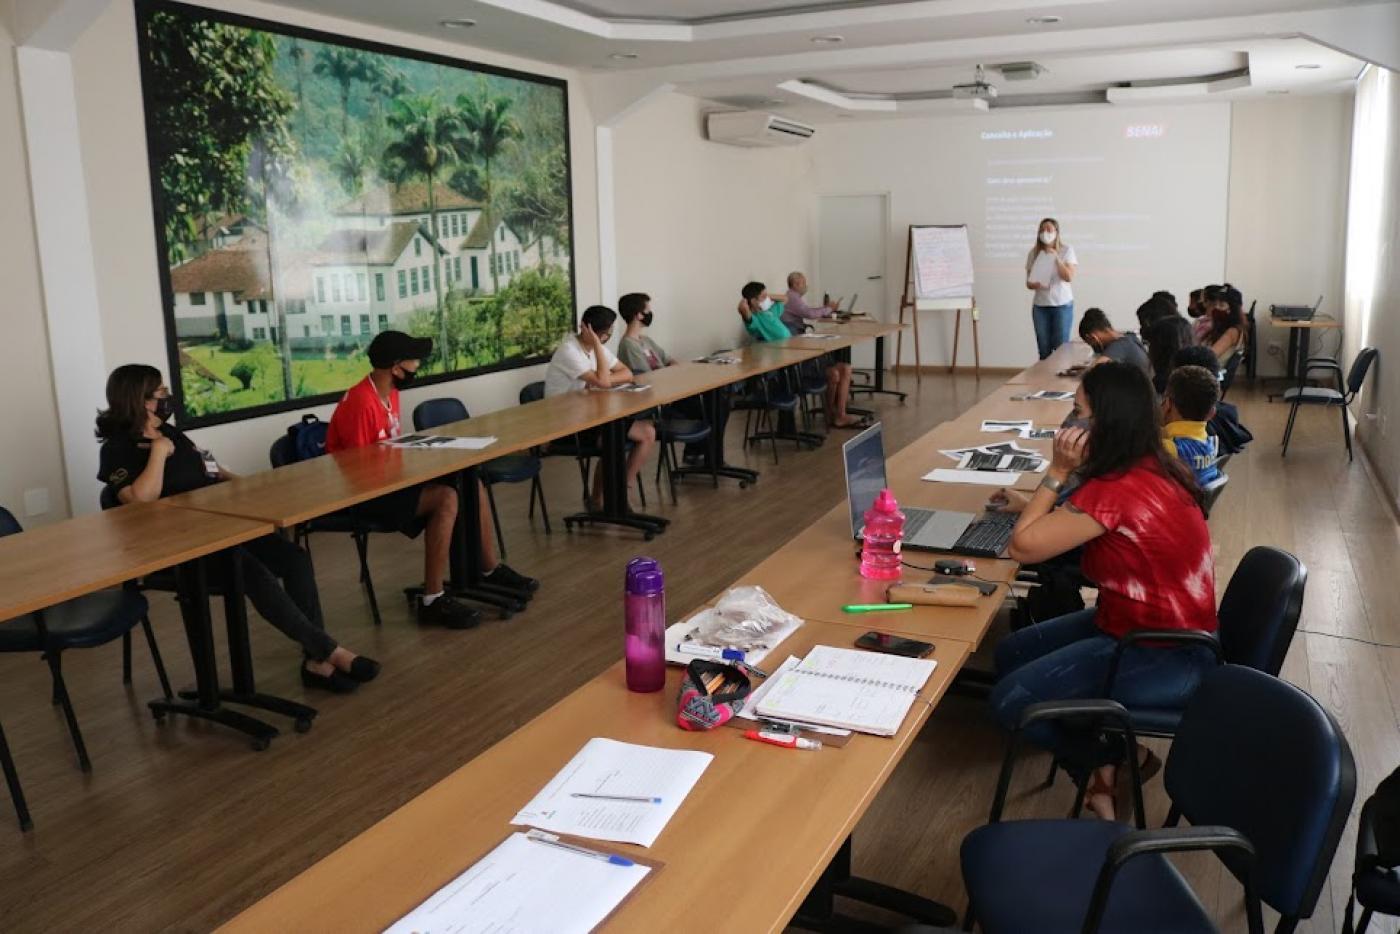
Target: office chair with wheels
(1341,397)
(84,622)
(1258,617)
(511,468)
(1262,772)
(344,522)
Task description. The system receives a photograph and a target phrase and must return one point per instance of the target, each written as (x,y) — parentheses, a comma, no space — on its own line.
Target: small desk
(796,812)
(1300,338)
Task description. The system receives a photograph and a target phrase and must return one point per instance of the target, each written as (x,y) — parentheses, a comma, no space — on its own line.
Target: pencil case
(701,708)
(949,594)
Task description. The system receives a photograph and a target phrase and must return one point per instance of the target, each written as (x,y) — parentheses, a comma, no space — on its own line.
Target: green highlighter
(875,607)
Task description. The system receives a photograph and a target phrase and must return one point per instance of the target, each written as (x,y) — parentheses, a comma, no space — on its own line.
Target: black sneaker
(506,576)
(448,613)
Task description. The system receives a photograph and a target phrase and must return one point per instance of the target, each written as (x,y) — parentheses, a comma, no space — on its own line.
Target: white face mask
(766,304)
(1047,237)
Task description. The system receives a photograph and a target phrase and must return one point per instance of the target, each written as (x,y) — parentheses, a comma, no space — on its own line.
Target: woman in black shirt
(143,459)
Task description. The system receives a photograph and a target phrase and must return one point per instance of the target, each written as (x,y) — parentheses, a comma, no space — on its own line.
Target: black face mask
(406,380)
(164,408)
(647,319)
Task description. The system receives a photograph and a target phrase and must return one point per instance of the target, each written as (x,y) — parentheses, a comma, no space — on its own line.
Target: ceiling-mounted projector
(978,90)
(1019,71)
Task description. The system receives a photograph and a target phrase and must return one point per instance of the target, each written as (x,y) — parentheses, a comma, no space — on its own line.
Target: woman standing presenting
(1050,268)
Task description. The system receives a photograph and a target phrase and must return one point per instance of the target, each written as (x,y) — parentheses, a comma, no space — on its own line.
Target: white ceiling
(739,51)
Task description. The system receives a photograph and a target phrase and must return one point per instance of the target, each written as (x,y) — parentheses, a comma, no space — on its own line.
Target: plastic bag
(742,617)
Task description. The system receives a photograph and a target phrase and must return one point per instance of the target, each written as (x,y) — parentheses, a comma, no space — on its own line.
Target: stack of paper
(616,791)
(525,885)
(440,441)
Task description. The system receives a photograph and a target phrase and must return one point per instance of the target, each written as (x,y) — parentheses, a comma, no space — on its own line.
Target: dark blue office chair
(671,431)
(768,397)
(84,622)
(344,522)
(1375,888)
(1341,397)
(581,449)
(1259,768)
(512,468)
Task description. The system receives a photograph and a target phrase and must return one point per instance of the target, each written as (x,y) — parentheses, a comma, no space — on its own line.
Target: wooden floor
(180,826)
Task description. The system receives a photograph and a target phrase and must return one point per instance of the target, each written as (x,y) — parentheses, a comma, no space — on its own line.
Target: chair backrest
(1259,612)
(1228,377)
(1359,368)
(431,413)
(9,525)
(1261,756)
(532,392)
(282,452)
(1211,492)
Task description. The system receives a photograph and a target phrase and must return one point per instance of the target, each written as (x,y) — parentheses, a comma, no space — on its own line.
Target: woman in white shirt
(1050,268)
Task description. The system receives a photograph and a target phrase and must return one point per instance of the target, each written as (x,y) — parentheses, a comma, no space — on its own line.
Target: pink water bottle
(879,549)
(644,606)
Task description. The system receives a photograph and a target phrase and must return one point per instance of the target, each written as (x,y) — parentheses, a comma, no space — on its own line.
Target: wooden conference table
(792,814)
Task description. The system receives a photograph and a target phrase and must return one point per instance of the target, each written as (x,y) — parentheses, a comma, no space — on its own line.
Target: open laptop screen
(864,457)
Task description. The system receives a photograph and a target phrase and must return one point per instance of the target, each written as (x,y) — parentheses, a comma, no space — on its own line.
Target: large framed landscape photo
(311,191)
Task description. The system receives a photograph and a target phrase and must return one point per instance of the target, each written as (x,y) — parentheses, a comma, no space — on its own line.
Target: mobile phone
(894,645)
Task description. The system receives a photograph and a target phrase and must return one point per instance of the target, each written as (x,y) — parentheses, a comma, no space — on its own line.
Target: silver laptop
(924,529)
(1296,312)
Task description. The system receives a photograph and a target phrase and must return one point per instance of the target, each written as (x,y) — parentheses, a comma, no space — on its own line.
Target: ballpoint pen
(549,839)
(640,799)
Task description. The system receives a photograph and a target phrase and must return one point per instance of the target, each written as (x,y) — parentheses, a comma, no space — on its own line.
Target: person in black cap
(368,413)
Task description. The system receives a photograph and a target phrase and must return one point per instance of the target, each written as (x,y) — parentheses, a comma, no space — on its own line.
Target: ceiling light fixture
(462,23)
(1043,20)
(1307,67)
(623,56)
(828,40)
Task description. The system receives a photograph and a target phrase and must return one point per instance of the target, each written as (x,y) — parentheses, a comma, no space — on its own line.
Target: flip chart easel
(938,277)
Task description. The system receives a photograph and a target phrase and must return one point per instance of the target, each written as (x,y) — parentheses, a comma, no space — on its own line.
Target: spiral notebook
(863,691)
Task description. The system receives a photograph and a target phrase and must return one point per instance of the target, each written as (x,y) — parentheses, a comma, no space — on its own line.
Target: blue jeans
(1067,658)
(1051,326)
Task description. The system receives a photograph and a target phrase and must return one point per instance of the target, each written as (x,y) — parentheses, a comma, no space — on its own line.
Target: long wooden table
(796,810)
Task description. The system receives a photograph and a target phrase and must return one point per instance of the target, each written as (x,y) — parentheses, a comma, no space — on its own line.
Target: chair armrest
(1218,839)
(1177,636)
(1059,710)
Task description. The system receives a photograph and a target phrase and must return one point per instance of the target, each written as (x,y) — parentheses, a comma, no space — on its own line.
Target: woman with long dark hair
(1228,325)
(1164,338)
(143,459)
(1136,512)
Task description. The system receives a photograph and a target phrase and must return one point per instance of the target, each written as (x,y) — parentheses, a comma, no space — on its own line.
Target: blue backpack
(308,438)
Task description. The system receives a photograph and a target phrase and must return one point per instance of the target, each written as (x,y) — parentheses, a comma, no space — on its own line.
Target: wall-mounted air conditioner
(751,128)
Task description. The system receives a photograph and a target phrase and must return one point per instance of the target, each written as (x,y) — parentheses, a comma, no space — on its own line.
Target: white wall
(696,220)
(1373,268)
(111,122)
(32,457)
(1288,210)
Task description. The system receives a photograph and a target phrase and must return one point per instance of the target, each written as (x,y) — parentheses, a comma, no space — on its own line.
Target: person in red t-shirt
(1136,512)
(368,413)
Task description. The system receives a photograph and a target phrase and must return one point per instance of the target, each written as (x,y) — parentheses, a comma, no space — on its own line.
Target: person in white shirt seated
(582,361)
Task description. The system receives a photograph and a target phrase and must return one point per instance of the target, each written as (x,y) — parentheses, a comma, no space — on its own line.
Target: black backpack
(308,438)
(1385,825)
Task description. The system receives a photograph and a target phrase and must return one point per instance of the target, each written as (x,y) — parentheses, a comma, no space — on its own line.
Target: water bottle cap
(885,502)
(644,577)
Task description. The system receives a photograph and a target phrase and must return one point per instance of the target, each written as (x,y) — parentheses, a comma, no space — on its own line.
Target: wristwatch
(1053,485)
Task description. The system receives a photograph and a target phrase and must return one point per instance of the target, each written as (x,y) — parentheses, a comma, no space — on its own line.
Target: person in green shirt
(763,319)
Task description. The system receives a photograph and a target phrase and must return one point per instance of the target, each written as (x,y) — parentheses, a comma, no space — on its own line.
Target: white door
(851,231)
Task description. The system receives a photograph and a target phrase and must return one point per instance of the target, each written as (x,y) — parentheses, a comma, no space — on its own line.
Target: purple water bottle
(644,606)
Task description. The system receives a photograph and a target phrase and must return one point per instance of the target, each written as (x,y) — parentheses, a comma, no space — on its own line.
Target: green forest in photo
(312,194)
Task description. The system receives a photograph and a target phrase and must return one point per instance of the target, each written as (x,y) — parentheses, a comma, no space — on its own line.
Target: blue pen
(549,839)
(640,799)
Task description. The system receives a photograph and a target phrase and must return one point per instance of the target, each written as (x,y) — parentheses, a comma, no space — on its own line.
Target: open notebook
(863,691)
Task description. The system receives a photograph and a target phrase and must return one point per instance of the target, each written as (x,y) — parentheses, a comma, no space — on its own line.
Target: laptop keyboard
(915,521)
(988,536)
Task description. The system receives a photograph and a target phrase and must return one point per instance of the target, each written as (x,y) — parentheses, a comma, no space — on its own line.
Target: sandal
(859,424)
(1106,797)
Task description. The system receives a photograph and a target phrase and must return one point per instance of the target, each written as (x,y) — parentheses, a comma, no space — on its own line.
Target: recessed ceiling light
(828,40)
(1307,67)
(1043,20)
(462,23)
(622,56)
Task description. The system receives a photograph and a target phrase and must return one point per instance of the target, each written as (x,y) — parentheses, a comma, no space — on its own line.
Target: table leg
(786,429)
(714,400)
(818,909)
(468,577)
(199,631)
(879,386)
(1290,373)
(615,511)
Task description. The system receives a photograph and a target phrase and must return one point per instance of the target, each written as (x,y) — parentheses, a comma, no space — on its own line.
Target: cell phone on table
(894,645)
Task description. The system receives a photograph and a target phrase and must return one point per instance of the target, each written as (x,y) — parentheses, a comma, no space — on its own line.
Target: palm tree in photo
(429,138)
(492,128)
(351,165)
(344,67)
(298,56)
